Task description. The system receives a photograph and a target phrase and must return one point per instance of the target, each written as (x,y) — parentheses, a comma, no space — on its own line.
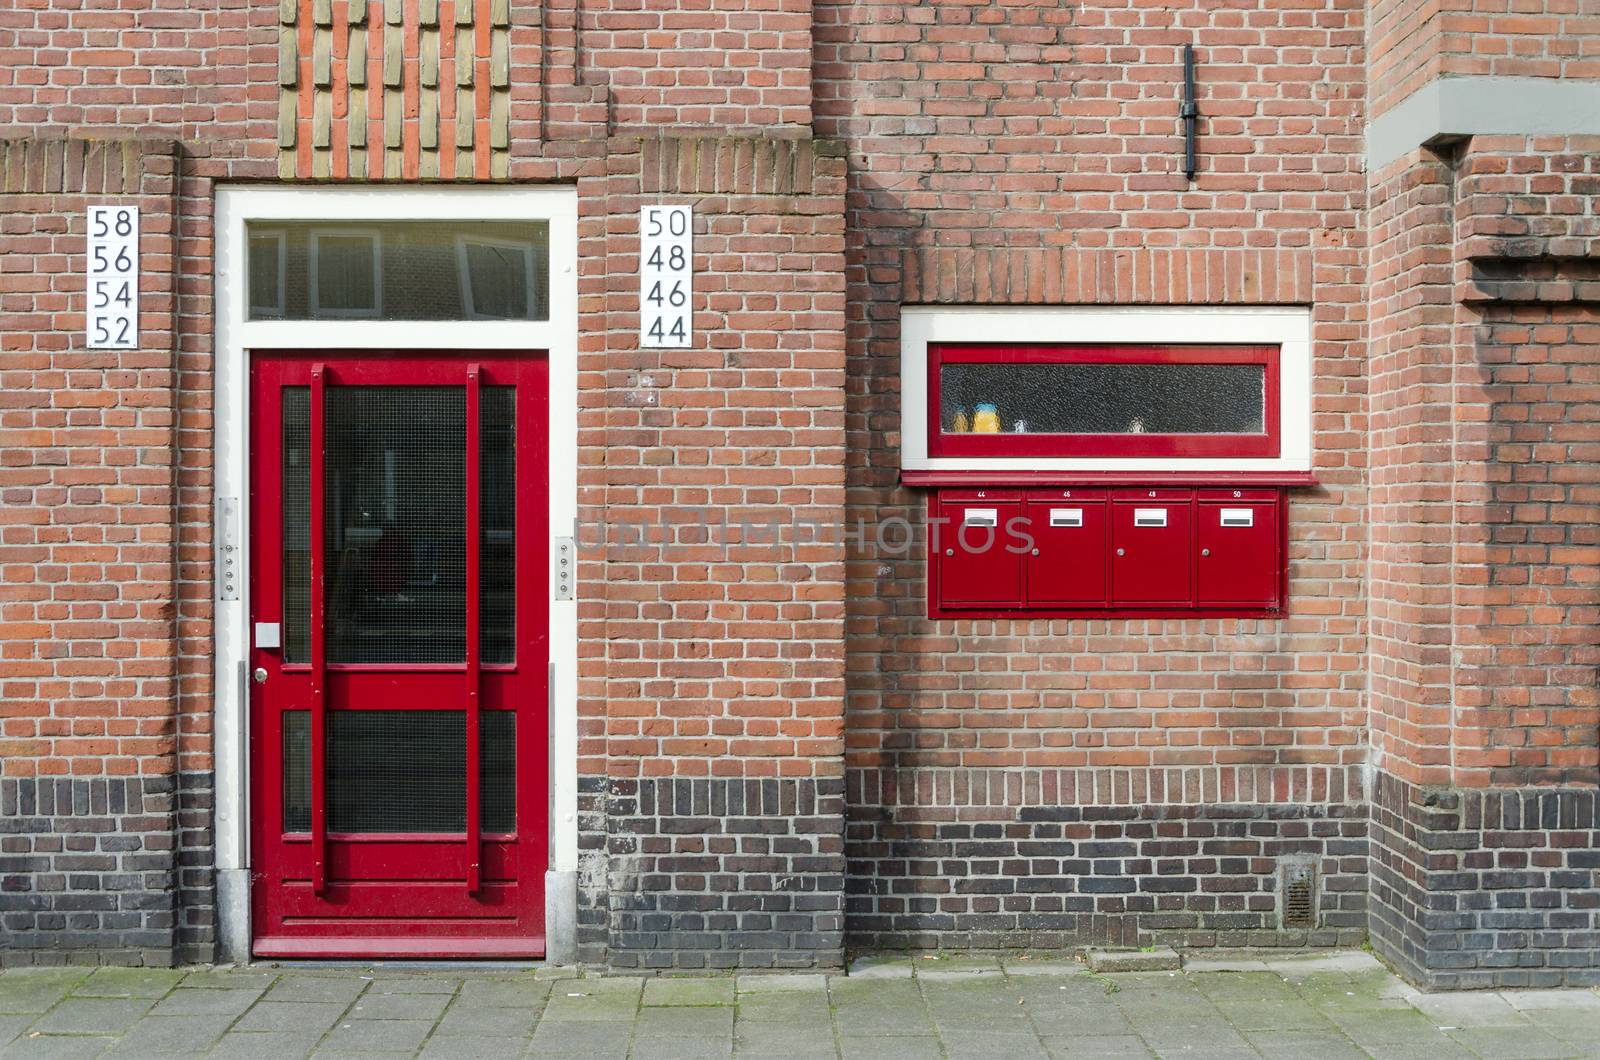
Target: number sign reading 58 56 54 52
(112,316)
(666,277)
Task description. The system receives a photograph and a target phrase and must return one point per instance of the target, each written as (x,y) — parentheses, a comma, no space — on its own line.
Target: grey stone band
(1471,106)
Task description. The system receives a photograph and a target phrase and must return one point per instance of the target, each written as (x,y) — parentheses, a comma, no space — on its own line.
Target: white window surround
(464,243)
(314,256)
(1288,328)
(236,335)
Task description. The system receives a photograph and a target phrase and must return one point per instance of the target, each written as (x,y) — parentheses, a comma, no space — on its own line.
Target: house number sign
(112,317)
(666,277)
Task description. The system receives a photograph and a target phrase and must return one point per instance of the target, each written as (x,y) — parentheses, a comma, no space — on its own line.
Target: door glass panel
(402,771)
(296,513)
(396,525)
(1012,398)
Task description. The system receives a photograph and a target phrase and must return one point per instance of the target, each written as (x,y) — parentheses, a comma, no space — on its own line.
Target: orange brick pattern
(394,89)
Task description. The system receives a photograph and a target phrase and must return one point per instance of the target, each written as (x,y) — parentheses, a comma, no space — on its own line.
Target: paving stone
(1111,1047)
(128,982)
(416,984)
(878,1047)
(372,1006)
(92,1016)
(1198,965)
(680,1048)
(508,993)
(376,1036)
(11,1026)
(578,1004)
(683,1023)
(1510,1043)
(578,1038)
(688,992)
(1274,1015)
(1444,1050)
(227,978)
(463,1047)
(186,1002)
(317,988)
(1545,1000)
(799,1009)
(24,991)
(488,1022)
(554,972)
(157,1036)
(291,1017)
(988,1044)
(57,1047)
(1476,1009)
(784,1040)
(274,1046)
(956,967)
(782,984)
(1344,962)
(1323,1046)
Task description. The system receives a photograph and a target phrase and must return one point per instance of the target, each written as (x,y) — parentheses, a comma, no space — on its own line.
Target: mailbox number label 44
(112,317)
(666,277)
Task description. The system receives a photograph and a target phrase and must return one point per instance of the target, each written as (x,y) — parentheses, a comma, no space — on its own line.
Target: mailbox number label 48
(112,317)
(666,277)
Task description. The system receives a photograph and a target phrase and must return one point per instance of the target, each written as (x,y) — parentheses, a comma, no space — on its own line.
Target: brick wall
(88,640)
(1032,155)
(1051,859)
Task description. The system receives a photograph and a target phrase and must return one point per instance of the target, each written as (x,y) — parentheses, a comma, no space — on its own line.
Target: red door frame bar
(474,836)
(317,459)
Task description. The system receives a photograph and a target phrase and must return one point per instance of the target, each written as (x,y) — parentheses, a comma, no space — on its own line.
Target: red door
(398,712)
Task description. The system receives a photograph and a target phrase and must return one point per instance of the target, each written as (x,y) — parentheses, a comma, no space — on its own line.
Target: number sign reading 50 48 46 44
(111,319)
(666,277)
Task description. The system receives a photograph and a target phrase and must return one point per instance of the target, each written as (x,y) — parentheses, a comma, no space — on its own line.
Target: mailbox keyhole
(1122,552)
(1205,552)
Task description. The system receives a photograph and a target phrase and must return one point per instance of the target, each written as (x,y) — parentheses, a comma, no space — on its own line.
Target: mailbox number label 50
(666,277)
(111,316)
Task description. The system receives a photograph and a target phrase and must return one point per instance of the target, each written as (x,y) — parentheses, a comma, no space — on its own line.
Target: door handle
(260,675)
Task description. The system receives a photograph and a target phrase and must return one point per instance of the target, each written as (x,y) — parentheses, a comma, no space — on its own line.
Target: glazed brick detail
(726,873)
(982,876)
(1486,888)
(87,870)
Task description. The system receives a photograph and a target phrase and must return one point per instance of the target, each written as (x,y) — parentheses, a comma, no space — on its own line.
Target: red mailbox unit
(1018,542)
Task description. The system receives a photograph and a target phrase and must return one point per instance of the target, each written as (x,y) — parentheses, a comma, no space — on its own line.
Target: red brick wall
(87,492)
(1032,154)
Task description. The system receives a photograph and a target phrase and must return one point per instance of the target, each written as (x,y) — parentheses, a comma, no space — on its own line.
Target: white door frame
(236,335)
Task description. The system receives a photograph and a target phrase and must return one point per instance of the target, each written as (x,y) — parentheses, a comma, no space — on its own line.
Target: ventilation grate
(1298,894)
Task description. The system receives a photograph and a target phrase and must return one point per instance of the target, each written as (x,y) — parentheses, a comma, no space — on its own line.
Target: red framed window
(1081,400)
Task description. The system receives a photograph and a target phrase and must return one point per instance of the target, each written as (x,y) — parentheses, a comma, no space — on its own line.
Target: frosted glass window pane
(405,270)
(1103,398)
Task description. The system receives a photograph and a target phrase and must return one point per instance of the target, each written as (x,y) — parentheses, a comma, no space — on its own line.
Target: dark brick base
(730,873)
(1057,877)
(87,870)
(1486,888)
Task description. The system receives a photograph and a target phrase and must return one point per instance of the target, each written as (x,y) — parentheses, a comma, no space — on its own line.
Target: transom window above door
(399,270)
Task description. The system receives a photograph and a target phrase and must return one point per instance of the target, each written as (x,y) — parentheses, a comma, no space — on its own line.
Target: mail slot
(1239,562)
(1067,565)
(1151,554)
(979,554)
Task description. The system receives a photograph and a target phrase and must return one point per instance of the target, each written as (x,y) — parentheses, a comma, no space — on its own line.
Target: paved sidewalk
(1324,1006)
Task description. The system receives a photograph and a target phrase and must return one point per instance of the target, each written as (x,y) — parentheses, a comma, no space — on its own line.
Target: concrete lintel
(1472,106)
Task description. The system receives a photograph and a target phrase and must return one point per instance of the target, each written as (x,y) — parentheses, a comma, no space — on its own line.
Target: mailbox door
(1238,544)
(976,568)
(1067,566)
(1151,552)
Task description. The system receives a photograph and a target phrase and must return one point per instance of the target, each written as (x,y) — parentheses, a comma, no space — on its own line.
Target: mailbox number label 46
(111,319)
(666,277)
